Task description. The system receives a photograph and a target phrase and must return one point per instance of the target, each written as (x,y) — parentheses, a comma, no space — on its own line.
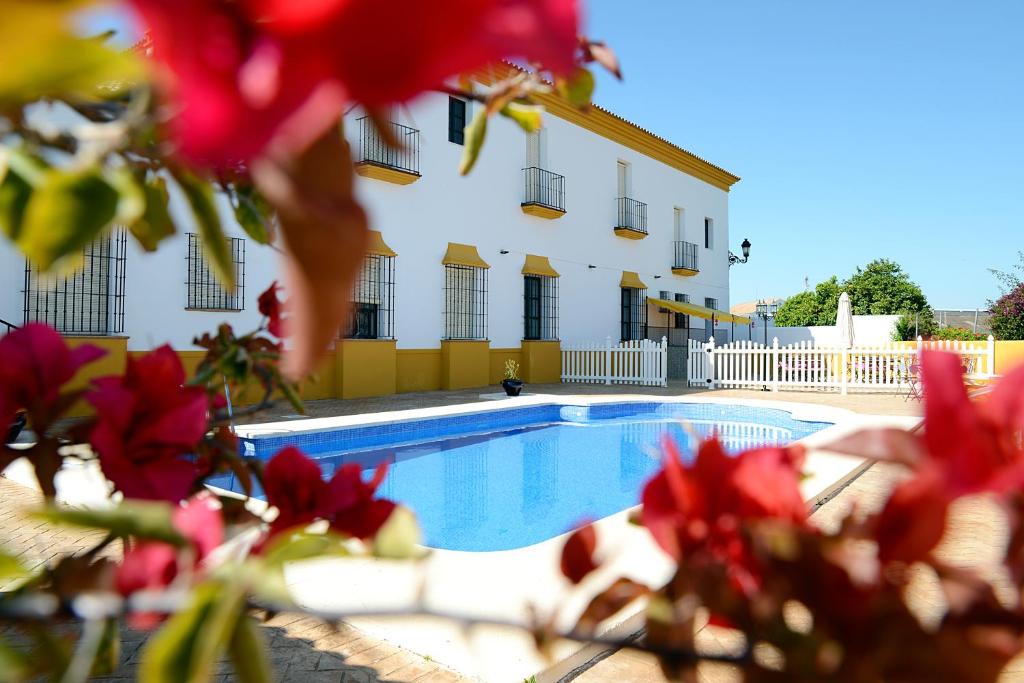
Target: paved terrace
(304,649)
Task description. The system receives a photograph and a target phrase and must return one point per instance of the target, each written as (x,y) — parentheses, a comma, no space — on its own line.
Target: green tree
(797,311)
(1008,314)
(883,288)
(827,293)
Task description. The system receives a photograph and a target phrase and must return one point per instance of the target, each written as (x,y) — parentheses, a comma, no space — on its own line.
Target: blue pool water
(511,478)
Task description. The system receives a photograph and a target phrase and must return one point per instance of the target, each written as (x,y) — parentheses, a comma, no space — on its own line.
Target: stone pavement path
(302,649)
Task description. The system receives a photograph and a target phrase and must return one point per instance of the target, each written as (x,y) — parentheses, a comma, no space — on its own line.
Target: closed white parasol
(844,322)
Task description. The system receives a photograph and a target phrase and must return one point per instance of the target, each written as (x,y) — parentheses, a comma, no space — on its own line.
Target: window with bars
(465,302)
(540,307)
(456,120)
(682,321)
(709,233)
(89,301)
(634,313)
(205,292)
(372,314)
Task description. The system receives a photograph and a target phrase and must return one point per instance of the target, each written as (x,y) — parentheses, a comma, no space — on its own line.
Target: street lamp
(766,311)
(745,247)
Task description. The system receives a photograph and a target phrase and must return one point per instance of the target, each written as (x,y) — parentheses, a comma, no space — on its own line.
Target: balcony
(631,218)
(375,158)
(544,194)
(684,259)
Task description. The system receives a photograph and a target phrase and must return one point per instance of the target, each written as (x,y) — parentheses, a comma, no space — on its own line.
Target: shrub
(1008,314)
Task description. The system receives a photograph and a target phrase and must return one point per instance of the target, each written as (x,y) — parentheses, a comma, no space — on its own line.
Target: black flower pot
(512,387)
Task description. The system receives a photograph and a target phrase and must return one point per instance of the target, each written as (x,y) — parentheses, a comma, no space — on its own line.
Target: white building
(548,240)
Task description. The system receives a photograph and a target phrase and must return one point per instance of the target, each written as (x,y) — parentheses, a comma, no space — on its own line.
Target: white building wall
(483,209)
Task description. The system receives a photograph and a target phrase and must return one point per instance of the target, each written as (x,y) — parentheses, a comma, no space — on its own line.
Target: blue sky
(861,129)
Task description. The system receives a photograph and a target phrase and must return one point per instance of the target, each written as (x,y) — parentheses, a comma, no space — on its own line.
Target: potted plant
(512,384)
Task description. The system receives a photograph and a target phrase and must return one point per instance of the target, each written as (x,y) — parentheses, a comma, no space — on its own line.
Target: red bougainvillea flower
(294,485)
(578,554)
(969,447)
(152,565)
(270,306)
(146,423)
(34,364)
(245,72)
(700,508)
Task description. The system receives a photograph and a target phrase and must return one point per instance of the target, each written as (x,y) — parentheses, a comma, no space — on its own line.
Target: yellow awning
(699,311)
(463,255)
(631,280)
(538,265)
(377,247)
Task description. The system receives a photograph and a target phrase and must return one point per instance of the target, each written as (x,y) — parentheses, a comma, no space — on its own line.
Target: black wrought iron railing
(544,188)
(684,256)
(403,155)
(632,215)
(8,327)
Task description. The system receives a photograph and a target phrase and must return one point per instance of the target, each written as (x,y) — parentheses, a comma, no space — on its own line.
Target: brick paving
(302,649)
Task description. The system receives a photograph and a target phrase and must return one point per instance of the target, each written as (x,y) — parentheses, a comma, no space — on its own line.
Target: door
(531,307)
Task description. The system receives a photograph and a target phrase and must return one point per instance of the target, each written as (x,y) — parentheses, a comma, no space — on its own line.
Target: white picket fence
(643,362)
(805,365)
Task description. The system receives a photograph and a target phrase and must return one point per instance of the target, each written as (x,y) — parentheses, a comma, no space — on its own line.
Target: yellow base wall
(365,367)
(111,364)
(542,362)
(498,358)
(1009,354)
(418,370)
(465,364)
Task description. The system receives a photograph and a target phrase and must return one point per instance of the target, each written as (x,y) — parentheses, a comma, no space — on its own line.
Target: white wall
(868,330)
(483,209)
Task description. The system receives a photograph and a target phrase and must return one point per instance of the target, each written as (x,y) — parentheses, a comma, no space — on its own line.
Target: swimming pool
(509,478)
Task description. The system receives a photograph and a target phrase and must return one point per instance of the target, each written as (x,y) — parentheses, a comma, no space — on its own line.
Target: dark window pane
(532,307)
(456,120)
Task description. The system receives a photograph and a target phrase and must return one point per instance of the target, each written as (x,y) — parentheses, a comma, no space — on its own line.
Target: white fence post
(842,371)
(775,363)
(710,349)
(990,355)
(608,360)
(664,361)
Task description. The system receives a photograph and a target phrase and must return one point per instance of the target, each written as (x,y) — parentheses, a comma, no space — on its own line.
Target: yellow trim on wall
(1008,355)
(538,265)
(542,362)
(386,173)
(630,233)
(542,211)
(377,246)
(631,280)
(685,272)
(463,255)
(465,364)
(598,120)
(418,370)
(365,367)
(113,363)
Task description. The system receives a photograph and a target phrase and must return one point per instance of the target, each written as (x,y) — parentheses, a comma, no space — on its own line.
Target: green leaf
(108,654)
(249,653)
(302,545)
(141,519)
(42,57)
(65,213)
(528,117)
(186,648)
(476,131)
(132,199)
(399,538)
(200,197)
(253,213)
(578,88)
(155,223)
(14,196)
(292,394)
(11,570)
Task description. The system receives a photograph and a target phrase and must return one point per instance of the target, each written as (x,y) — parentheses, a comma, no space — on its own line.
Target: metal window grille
(372,312)
(682,321)
(685,255)
(465,302)
(374,149)
(90,301)
(205,292)
(544,188)
(456,120)
(634,314)
(540,307)
(631,214)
